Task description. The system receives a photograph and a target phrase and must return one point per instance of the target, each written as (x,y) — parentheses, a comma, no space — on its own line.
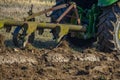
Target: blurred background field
(17,10)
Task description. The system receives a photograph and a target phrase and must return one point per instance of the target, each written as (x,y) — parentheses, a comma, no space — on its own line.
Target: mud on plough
(74,20)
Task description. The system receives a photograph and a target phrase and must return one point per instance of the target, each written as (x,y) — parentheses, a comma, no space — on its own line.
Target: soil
(61,63)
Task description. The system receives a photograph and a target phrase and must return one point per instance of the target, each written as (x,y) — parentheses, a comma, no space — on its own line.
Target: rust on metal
(63,15)
(76,12)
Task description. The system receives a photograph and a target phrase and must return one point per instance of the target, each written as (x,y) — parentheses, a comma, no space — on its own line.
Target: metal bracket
(60,31)
(2,24)
(31,27)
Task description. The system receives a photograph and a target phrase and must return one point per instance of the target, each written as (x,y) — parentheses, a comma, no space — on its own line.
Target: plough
(100,20)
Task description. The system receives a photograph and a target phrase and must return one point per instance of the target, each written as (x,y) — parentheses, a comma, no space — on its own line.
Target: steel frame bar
(64,14)
(45,11)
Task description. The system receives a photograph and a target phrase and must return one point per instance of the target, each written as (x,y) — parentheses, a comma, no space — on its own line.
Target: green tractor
(83,19)
(109,25)
(101,19)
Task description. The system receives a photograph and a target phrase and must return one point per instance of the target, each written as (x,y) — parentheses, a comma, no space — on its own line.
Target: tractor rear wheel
(109,29)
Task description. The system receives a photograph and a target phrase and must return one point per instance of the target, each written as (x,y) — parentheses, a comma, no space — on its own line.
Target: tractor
(82,19)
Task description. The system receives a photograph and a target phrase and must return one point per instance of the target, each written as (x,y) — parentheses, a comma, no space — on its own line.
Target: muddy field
(61,63)
(44,62)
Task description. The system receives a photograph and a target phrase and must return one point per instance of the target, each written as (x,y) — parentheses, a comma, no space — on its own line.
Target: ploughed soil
(61,63)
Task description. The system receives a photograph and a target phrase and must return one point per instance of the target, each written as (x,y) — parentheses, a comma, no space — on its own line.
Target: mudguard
(104,3)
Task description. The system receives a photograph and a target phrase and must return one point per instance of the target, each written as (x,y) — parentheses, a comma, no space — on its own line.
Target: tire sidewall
(116,36)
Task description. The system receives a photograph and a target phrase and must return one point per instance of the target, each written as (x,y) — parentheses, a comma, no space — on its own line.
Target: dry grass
(40,2)
(17,9)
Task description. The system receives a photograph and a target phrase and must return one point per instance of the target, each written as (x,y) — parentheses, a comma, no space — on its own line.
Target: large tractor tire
(109,29)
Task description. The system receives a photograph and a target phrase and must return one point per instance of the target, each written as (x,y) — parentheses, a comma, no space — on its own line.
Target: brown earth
(42,62)
(60,63)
